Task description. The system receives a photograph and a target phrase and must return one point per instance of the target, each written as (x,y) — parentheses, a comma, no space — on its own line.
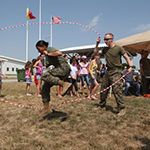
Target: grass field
(73,126)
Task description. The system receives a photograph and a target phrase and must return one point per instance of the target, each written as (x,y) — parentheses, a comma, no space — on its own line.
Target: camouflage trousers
(109,78)
(51,78)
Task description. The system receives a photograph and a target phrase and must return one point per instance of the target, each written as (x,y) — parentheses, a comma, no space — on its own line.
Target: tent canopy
(136,43)
(88,50)
(83,50)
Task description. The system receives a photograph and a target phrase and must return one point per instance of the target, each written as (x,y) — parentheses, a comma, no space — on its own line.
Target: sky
(123,18)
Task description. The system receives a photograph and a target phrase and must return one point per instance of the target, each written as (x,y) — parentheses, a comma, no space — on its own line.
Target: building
(9,65)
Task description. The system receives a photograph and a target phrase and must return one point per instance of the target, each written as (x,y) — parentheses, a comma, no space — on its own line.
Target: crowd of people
(71,73)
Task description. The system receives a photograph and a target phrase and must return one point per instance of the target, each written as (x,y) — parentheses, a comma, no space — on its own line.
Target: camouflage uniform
(99,62)
(109,78)
(112,74)
(51,77)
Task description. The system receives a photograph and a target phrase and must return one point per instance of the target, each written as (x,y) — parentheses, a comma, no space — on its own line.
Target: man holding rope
(113,55)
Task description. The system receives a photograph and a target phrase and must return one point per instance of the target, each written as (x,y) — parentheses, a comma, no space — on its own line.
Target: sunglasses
(107,39)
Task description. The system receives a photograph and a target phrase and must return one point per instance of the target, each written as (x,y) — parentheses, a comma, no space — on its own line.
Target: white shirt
(73,71)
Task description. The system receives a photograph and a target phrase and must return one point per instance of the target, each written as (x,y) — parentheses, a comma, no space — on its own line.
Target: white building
(9,65)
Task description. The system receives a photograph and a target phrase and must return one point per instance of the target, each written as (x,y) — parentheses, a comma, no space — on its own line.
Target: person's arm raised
(96,46)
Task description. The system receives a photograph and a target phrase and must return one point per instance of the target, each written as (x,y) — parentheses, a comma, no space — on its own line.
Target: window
(13,69)
(7,68)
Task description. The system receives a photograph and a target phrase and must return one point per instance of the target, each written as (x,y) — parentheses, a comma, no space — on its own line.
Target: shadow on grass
(56,114)
(108,108)
(144,141)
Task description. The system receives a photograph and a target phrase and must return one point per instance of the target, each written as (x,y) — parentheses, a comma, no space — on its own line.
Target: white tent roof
(85,50)
(136,43)
(82,50)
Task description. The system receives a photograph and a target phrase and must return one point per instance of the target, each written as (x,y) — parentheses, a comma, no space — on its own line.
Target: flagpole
(27,38)
(39,19)
(51,31)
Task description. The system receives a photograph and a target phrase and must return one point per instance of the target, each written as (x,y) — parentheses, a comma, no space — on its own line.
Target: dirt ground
(76,125)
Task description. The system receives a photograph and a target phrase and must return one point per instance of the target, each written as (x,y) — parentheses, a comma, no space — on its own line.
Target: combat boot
(46,109)
(65,86)
(122,112)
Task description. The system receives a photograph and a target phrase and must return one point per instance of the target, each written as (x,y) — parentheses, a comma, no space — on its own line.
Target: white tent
(82,50)
(136,43)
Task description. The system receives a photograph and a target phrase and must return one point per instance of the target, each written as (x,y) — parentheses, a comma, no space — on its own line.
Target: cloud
(141,28)
(94,21)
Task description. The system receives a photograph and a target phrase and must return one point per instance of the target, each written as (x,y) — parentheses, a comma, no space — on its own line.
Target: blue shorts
(28,80)
(38,77)
(91,79)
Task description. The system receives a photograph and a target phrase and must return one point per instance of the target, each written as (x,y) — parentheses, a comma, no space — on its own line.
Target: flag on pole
(56,20)
(29,15)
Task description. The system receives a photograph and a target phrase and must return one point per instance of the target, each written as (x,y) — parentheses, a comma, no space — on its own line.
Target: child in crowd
(73,75)
(1,74)
(92,73)
(28,77)
(76,56)
(58,87)
(84,73)
(39,71)
(34,71)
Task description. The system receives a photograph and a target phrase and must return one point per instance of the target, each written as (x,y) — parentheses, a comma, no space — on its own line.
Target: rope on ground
(66,102)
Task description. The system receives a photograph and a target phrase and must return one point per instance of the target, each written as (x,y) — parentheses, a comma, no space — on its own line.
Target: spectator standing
(76,56)
(58,87)
(102,71)
(39,71)
(92,75)
(84,73)
(28,77)
(73,75)
(145,72)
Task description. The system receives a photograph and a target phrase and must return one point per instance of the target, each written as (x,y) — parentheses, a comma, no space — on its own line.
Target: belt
(113,68)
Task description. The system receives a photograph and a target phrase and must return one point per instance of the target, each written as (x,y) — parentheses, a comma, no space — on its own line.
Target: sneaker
(29,94)
(122,112)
